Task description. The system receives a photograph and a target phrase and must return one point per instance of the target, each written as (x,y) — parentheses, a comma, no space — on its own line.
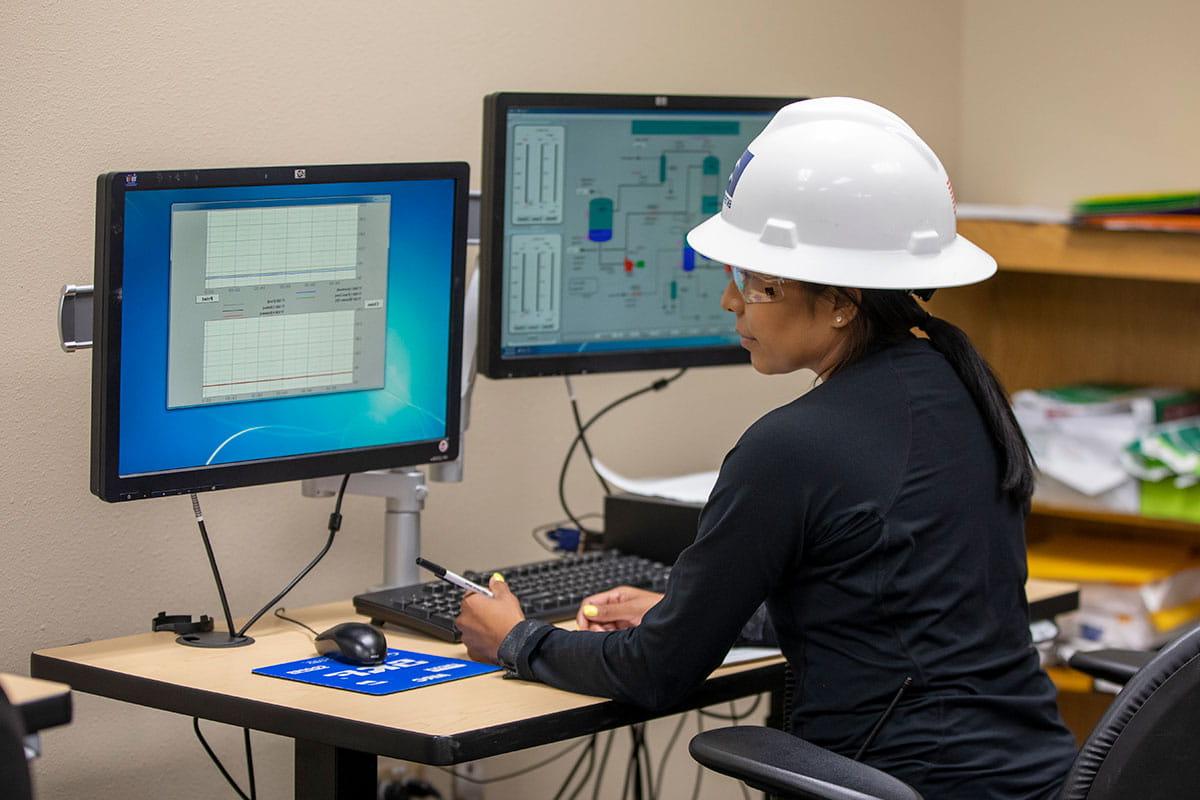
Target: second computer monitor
(587,201)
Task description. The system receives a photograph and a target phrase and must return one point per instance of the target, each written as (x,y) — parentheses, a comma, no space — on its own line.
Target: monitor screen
(586,207)
(266,324)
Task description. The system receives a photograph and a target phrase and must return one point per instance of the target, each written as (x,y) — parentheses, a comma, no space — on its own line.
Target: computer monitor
(275,323)
(587,200)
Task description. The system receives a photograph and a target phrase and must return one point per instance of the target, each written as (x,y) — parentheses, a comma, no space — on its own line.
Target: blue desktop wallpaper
(411,406)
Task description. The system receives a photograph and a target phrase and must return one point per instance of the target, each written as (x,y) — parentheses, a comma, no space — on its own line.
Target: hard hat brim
(958,264)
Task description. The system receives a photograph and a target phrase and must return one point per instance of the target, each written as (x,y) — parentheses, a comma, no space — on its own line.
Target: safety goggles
(755,288)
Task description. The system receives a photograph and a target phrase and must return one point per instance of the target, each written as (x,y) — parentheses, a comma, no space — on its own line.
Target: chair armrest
(779,763)
(1117,666)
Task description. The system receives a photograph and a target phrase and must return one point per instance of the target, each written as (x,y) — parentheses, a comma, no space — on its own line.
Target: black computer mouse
(353,642)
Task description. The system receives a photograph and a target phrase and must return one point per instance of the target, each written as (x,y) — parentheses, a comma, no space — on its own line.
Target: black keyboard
(549,590)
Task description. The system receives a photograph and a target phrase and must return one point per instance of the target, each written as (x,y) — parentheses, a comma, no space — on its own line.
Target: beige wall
(1065,99)
(90,87)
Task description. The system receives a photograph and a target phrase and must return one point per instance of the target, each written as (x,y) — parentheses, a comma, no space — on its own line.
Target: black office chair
(1145,745)
(14,768)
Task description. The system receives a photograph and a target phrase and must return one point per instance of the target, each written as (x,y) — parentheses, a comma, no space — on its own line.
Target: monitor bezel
(111,189)
(492,361)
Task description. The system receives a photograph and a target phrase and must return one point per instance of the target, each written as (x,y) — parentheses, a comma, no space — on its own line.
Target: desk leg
(324,772)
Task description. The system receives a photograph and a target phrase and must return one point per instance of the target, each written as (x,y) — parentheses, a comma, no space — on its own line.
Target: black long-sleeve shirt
(868,515)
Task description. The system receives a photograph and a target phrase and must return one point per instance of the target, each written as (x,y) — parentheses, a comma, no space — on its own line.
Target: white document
(737,655)
(1080,449)
(694,488)
(1013,213)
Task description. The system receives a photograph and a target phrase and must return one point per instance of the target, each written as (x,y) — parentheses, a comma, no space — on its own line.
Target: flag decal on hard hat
(735,176)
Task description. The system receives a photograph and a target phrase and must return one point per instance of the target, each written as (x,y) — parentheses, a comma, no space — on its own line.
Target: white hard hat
(842,192)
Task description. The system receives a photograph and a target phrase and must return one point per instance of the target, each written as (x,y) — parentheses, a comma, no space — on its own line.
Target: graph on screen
(537,183)
(282,354)
(256,246)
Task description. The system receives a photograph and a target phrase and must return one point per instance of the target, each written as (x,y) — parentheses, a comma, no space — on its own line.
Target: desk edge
(433,749)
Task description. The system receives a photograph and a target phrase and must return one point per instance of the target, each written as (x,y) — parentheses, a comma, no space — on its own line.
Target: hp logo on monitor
(301,173)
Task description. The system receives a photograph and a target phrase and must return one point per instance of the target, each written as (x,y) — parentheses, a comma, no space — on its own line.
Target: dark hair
(887,316)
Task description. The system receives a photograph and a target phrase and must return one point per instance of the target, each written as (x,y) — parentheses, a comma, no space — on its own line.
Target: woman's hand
(616,609)
(485,621)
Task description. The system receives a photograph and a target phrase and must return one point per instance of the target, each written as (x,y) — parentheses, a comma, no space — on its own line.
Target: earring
(838,319)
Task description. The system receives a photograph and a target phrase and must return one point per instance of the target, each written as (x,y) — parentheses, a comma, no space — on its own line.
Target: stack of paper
(1079,434)
(1135,593)
(693,488)
(1177,212)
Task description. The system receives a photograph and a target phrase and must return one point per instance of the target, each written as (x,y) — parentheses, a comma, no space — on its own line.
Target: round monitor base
(213,639)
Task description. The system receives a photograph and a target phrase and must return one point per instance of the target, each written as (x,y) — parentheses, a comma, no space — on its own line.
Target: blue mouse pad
(401,670)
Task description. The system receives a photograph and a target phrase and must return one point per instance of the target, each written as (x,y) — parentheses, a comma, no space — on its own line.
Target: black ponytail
(887,316)
(984,387)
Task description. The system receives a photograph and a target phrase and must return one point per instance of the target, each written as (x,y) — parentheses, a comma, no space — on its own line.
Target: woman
(880,516)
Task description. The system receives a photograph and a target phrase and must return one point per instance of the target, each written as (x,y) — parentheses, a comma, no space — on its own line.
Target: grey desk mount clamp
(404,488)
(75,317)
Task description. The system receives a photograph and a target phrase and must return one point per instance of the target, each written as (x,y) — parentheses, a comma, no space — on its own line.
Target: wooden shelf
(1065,250)
(1069,680)
(1114,518)
(1054,316)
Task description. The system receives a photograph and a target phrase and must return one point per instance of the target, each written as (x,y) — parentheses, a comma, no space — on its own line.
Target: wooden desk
(41,704)
(338,733)
(1048,599)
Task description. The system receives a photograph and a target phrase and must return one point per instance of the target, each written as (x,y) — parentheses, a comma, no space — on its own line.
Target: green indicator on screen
(641,264)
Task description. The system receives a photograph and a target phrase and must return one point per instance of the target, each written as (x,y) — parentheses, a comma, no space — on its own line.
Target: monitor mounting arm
(404,488)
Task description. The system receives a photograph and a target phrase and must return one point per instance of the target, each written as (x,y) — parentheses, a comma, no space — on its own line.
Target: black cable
(662,764)
(217,761)
(546,545)
(212,562)
(587,773)
(250,764)
(628,775)
(335,524)
(649,765)
(887,712)
(635,737)
(590,749)
(656,386)
(587,448)
(789,696)
(603,763)
(733,715)
(522,771)
(279,612)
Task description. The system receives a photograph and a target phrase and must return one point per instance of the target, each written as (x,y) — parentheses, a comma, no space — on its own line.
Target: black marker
(457,580)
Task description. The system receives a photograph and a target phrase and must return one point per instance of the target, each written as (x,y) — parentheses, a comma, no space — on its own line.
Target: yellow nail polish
(496,576)
(590,610)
